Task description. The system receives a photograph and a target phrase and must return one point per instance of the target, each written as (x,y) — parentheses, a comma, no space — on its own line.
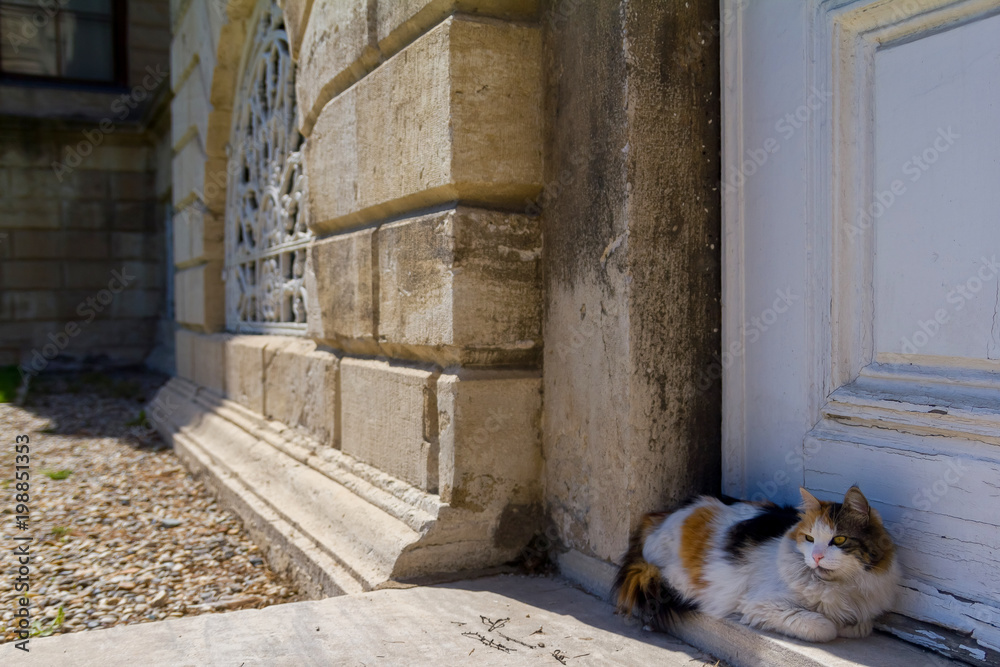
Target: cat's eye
(809,538)
(838,540)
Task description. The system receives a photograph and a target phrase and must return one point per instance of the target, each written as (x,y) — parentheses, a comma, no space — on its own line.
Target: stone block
(246,359)
(301,389)
(209,361)
(198,296)
(339,288)
(130,186)
(30,275)
(86,275)
(193,38)
(30,244)
(400,21)
(189,110)
(47,184)
(40,213)
(296,21)
(133,215)
(29,305)
(184,341)
(138,303)
(91,185)
(338,50)
(491,453)
(117,157)
(389,419)
(466,278)
(284,381)
(198,236)
(86,214)
(232,39)
(457,115)
(130,245)
(188,173)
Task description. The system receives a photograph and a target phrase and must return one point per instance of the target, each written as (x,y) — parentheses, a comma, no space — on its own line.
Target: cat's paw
(814,628)
(857,631)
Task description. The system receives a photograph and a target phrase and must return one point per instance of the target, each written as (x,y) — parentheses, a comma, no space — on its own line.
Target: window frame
(119,52)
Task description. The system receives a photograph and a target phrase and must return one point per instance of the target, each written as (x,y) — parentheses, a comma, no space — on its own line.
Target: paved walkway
(501,620)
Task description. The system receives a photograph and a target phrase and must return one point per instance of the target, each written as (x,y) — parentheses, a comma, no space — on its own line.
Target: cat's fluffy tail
(639,587)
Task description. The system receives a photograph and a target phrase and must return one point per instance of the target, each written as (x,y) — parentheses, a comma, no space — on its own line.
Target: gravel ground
(127,536)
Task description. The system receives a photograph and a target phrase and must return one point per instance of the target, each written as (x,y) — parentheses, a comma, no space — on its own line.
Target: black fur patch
(770,523)
(866,541)
(664,607)
(651,598)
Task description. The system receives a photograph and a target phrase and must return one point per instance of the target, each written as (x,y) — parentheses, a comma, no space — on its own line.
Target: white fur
(780,586)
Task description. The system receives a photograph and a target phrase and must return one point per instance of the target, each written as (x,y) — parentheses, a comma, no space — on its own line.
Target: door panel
(862,182)
(937,194)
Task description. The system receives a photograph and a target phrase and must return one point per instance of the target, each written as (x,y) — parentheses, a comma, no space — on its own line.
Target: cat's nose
(818,557)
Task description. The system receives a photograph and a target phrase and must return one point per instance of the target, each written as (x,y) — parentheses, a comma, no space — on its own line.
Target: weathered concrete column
(631,227)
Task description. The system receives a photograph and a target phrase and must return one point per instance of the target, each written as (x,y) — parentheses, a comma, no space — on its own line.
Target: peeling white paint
(977,653)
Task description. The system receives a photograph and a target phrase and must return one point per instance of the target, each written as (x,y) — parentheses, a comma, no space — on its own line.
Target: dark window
(66,40)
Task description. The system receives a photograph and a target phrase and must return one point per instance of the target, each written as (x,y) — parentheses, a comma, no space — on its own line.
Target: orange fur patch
(696,537)
(810,518)
(637,579)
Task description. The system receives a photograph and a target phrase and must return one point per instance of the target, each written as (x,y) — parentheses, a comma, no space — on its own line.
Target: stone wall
(631,223)
(423,124)
(83,214)
(444,141)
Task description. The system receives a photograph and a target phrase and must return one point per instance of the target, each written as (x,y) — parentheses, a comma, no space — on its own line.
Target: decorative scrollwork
(266,227)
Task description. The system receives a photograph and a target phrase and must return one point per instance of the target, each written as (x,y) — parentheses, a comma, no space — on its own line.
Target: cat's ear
(809,502)
(855,501)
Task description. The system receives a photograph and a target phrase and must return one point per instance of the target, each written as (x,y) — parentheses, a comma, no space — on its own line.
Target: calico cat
(825,570)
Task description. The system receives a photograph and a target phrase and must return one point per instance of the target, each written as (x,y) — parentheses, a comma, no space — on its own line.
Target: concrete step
(505,620)
(499,620)
(743,647)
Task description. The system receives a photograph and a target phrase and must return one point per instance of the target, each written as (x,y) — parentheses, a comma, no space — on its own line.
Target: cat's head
(840,540)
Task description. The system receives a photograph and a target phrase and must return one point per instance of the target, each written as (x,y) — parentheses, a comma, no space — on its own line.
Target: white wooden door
(861,289)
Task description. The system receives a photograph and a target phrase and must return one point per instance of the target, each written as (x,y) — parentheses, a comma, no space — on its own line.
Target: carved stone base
(333,524)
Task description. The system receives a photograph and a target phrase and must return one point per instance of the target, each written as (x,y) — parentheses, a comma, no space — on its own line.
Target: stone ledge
(333,525)
(741,646)
(423,625)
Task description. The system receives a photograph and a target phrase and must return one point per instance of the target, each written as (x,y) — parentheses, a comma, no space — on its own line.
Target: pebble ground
(126,535)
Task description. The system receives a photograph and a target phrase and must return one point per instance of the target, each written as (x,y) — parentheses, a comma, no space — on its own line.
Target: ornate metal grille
(266,230)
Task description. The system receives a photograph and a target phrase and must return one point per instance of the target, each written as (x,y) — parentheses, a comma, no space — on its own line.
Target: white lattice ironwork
(266,231)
